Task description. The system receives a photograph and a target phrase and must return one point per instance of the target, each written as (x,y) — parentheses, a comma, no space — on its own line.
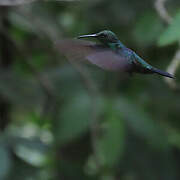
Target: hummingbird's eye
(103,35)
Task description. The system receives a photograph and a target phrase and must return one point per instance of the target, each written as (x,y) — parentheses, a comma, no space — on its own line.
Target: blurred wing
(75,49)
(96,54)
(109,60)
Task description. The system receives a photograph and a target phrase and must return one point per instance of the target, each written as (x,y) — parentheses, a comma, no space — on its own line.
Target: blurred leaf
(111,143)
(148,28)
(19,2)
(75,118)
(23,171)
(5,161)
(172,33)
(66,80)
(173,137)
(141,123)
(67,20)
(19,90)
(33,152)
(29,18)
(14,2)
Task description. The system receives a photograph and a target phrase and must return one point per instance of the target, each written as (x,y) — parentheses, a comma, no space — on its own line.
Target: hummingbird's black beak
(87,36)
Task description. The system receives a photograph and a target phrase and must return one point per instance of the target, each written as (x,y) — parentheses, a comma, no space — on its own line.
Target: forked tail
(163,73)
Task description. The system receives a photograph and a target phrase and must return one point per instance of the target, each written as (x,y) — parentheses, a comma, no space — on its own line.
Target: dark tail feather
(163,73)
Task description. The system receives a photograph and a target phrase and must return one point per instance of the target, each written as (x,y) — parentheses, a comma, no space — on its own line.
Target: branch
(161,10)
(21,2)
(175,62)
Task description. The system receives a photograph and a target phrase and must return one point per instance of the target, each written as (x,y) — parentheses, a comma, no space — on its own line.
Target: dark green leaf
(141,123)
(5,162)
(172,33)
(148,28)
(75,117)
(111,143)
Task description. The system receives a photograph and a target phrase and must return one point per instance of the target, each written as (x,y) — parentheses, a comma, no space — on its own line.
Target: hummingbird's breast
(126,53)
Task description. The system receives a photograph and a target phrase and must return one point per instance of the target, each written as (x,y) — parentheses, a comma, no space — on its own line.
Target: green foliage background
(53,126)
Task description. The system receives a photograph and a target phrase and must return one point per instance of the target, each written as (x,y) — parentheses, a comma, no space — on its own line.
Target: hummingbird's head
(105,37)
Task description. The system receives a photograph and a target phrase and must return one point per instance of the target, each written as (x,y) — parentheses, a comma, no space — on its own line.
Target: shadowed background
(62,120)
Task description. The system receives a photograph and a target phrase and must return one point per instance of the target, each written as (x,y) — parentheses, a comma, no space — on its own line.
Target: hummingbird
(109,54)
